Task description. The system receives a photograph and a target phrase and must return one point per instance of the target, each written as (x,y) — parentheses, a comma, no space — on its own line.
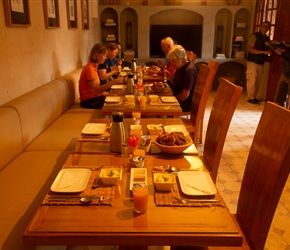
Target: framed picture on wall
(85,14)
(72,19)
(17,12)
(51,13)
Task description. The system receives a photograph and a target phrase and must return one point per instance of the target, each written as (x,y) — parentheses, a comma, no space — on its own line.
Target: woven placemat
(168,198)
(54,198)
(94,138)
(160,103)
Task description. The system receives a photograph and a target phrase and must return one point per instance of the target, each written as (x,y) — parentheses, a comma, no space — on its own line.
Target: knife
(95,183)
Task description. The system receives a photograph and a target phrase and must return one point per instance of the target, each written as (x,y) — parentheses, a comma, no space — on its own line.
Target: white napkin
(67,180)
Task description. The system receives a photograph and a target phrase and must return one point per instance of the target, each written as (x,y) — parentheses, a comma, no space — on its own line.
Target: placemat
(54,198)
(95,138)
(122,103)
(91,138)
(160,103)
(167,198)
(166,90)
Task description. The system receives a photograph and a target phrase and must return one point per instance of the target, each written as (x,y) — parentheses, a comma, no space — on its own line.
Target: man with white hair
(183,82)
(167,44)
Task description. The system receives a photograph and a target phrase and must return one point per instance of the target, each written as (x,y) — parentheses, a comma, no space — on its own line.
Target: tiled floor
(233,161)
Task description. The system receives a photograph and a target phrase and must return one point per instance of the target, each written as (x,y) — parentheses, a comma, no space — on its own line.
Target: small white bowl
(163,181)
(154,129)
(153,98)
(111,176)
(130,98)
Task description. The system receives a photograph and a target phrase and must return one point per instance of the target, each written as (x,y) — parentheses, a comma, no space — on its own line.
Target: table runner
(167,198)
(53,198)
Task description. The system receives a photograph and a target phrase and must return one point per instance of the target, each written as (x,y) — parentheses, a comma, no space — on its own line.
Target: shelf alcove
(129,15)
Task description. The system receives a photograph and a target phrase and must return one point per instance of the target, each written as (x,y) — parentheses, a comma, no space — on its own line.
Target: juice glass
(136,114)
(140,197)
(137,132)
(142,101)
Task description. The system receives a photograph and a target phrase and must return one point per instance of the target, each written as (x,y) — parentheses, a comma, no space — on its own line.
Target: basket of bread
(173,143)
(158,87)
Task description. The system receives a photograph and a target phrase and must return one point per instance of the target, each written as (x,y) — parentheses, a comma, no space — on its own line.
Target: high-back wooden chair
(266,173)
(223,108)
(194,124)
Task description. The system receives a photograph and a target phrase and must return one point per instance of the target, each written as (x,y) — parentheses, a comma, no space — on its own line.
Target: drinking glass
(140,197)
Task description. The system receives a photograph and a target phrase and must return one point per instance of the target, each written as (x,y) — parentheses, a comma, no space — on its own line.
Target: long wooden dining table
(117,224)
(98,145)
(167,221)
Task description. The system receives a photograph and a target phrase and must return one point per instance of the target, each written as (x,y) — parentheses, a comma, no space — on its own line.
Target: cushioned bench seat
(38,130)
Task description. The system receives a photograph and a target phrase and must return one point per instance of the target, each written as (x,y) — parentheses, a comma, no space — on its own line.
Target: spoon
(89,198)
(185,201)
(172,169)
(104,138)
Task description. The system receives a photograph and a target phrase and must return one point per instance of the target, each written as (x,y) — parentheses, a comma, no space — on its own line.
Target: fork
(185,201)
(97,168)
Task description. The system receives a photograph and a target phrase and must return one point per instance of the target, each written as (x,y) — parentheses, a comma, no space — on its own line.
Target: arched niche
(129,15)
(184,26)
(109,13)
(223,32)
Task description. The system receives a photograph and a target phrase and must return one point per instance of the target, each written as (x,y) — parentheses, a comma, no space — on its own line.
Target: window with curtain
(266,10)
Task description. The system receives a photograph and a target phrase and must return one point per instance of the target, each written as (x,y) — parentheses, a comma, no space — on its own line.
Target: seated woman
(183,81)
(109,69)
(92,93)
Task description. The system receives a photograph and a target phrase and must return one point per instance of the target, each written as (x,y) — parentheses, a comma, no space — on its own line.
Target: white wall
(32,56)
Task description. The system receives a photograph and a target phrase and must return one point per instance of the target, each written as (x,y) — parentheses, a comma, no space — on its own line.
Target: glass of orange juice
(136,114)
(140,197)
(137,132)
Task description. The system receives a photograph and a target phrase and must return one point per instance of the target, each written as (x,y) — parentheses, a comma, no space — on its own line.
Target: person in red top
(92,93)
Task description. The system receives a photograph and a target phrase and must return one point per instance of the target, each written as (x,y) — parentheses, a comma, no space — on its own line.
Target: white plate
(200,181)
(94,128)
(70,180)
(113,99)
(138,175)
(118,86)
(175,128)
(168,99)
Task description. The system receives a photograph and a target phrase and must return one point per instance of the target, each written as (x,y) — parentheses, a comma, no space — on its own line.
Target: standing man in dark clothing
(283,88)
(258,53)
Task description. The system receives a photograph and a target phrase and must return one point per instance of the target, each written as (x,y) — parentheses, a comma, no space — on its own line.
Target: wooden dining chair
(194,124)
(223,108)
(266,173)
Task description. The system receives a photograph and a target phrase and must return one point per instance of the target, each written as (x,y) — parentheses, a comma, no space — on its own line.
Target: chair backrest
(202,88)
(266,172)
(224,105)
